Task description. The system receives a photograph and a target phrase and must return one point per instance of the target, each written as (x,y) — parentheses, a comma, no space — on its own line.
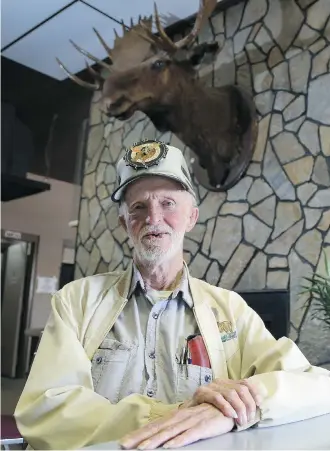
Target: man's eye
(137,207)
(168,203)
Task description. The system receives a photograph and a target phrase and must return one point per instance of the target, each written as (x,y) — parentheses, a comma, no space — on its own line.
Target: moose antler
(107,49)
(134,46)
(206,8)
(93,86)
(90,56)
(129,50)
(93,72)
(164,42)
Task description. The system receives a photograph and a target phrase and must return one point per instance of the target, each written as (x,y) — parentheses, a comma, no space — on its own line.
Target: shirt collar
(182,290)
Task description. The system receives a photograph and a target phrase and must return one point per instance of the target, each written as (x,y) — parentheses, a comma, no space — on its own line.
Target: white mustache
(155,229)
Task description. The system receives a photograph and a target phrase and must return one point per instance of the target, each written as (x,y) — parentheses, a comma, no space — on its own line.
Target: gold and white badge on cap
(145,154)
(151,158)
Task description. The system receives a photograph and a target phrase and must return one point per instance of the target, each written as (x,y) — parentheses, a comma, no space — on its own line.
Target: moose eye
(159,64)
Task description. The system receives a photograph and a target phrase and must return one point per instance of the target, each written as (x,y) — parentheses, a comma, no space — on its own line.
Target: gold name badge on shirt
(226,328)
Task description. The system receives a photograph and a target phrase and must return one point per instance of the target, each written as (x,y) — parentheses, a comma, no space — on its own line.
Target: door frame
(15,236)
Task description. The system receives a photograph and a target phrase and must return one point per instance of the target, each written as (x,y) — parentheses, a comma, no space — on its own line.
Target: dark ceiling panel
(13,187)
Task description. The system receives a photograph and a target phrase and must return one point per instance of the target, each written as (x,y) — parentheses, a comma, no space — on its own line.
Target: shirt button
(207,378)
(155,315)
(99,360)
(150,393)
(152,355)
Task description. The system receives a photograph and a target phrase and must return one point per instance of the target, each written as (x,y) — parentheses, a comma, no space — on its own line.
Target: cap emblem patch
(145,154)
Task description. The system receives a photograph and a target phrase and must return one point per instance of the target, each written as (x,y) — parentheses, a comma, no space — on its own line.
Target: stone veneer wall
(268,230)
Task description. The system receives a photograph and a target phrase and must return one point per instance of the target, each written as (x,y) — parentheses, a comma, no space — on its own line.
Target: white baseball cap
(150,158)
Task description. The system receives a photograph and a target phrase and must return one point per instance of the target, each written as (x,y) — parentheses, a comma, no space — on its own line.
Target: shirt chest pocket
(189,378)
(110,365)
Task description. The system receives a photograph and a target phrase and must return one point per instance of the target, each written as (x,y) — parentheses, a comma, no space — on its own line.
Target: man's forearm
(71,418)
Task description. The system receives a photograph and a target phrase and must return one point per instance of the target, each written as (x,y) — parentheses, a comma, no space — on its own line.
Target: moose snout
(112,105)
(107,104)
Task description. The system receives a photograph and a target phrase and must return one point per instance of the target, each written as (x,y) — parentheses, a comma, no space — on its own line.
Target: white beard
(152,253)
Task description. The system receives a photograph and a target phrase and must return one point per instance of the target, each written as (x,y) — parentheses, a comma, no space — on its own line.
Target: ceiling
(33,36)
(14,187)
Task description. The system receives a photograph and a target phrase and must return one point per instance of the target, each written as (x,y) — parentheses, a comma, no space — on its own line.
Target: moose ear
(202,53)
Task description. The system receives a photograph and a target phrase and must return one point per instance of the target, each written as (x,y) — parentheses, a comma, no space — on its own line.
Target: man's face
(157,214)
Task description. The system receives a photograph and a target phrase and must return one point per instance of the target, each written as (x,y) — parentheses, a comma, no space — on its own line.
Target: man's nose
(154,215)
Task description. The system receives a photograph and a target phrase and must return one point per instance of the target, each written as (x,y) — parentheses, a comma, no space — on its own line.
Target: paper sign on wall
(46,285)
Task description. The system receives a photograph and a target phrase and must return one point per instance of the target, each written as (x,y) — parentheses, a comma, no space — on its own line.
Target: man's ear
(193,219)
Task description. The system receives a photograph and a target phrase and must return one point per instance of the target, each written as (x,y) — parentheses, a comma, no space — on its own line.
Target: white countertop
(313,434)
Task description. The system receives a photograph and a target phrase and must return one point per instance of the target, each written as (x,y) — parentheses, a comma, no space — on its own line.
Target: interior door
(12,306)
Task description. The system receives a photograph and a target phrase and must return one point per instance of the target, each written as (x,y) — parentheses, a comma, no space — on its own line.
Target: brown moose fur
(146,74)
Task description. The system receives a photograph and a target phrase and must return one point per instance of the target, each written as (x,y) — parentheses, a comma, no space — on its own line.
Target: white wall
(47,215)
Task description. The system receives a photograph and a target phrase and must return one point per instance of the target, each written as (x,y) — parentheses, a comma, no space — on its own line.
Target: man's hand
(180,428)
(235,399)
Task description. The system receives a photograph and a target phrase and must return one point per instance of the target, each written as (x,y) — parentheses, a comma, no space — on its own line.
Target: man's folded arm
(295,390)
(59,409)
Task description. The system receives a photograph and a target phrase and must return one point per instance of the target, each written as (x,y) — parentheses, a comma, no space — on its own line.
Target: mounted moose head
(155,75)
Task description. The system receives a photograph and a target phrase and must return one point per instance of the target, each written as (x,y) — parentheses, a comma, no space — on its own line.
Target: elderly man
(152,356)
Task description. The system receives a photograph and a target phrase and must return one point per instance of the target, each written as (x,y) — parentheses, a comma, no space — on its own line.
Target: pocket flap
(114,345)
